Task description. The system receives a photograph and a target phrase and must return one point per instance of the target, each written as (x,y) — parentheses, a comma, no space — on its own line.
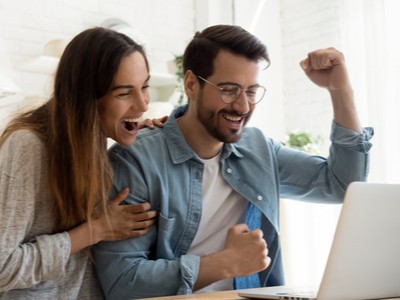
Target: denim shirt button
(229,170)
(259,197)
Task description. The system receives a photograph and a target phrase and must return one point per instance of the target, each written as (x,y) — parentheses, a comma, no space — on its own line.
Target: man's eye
(251,93)
(230,90)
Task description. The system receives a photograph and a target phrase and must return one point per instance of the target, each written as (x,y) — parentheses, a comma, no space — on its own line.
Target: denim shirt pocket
(167,237)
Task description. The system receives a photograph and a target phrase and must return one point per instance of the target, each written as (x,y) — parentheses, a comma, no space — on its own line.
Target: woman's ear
(190,83)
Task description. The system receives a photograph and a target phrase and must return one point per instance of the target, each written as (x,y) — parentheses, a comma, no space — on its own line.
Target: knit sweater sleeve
(29,252)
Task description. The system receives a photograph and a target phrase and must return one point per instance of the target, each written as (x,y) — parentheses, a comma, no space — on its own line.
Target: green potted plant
(178,60)
(304,141)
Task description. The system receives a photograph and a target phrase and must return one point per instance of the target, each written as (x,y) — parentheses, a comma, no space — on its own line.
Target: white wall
(307,25)
(27,26)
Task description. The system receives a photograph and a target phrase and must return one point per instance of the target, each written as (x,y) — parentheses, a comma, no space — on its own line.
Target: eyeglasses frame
(237,96)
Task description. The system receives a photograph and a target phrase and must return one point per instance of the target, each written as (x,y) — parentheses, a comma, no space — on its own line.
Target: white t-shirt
(222,208)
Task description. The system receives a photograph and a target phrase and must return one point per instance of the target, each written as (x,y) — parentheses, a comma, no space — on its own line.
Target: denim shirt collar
(177,146)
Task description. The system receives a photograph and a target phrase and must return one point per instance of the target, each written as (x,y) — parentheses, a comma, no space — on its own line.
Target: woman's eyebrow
(128,86)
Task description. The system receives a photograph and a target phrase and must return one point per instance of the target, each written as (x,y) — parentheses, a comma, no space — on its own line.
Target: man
(217,184)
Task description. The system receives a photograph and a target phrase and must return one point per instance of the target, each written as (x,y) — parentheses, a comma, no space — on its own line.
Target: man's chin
(233,137)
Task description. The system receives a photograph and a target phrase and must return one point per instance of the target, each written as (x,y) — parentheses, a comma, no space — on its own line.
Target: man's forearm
(344,110)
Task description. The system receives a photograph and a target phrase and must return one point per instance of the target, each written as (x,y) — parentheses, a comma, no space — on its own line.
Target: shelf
(162,79)
(11,100)
(48,64)
(41,64)
(162,84)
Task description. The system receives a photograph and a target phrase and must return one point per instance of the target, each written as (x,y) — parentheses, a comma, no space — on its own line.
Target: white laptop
(364,260)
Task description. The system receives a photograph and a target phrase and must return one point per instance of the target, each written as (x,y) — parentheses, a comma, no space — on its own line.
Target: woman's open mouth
(130,124)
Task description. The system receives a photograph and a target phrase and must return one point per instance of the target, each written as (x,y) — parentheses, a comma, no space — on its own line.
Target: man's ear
(191,84)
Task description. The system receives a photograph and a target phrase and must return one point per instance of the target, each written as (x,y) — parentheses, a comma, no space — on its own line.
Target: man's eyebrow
(237,84)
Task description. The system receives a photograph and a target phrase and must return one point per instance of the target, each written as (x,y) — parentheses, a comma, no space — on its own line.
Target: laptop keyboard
(303,294)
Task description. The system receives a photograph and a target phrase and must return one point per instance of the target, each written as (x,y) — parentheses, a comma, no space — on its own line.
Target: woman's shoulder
(22,143)
(23,137)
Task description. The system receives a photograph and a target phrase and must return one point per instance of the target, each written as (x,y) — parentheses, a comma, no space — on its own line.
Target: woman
(55,175)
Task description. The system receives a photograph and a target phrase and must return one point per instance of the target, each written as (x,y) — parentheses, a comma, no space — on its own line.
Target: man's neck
(197,137)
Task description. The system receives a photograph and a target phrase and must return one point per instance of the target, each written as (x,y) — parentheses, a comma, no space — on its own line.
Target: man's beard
(209,120)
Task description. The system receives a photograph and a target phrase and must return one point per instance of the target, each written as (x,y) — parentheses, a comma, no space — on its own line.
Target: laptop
(364,259)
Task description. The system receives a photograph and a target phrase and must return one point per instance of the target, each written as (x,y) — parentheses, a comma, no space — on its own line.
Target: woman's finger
(151,214)
(120,197)
(142,224)
(137,208)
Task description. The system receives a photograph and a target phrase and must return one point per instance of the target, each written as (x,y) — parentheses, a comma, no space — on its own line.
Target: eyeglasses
(231,92)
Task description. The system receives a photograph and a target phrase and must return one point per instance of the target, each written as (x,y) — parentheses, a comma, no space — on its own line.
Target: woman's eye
(145,87)
(123,94)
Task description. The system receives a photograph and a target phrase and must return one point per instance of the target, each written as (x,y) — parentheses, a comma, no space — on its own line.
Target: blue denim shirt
(162,169)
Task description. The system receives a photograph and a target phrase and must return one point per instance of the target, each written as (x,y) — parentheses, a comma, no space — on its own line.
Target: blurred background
(33,35)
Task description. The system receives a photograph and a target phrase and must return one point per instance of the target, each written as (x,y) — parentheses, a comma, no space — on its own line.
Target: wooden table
(223,295)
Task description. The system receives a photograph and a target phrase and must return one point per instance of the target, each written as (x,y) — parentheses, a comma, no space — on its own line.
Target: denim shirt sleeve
(312,178)
(126,272)
(141,267)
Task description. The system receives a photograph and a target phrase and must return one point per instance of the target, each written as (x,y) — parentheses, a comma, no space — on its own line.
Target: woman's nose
(141,101)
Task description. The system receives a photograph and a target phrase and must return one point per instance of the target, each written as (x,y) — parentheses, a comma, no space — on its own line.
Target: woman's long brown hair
(80,175)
